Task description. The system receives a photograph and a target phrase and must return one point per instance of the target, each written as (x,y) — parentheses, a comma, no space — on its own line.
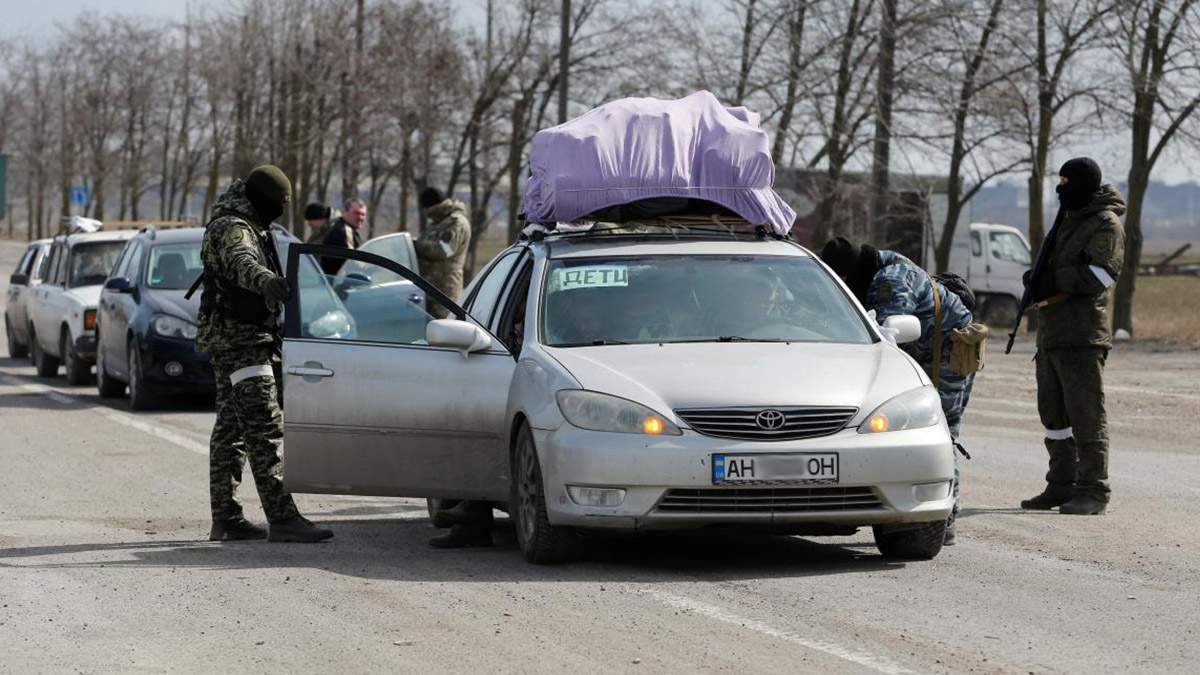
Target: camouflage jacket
(1086,259)
(901,287)
(233,250)
(443,247)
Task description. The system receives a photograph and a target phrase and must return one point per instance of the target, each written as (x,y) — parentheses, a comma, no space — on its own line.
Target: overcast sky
(37,17)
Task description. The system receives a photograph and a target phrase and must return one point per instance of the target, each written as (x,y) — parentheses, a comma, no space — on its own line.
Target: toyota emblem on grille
(770,420)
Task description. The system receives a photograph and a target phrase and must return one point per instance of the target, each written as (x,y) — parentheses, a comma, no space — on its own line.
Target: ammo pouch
(967,347)
(232,302)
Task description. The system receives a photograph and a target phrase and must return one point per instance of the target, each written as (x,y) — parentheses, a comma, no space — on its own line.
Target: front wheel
(140,398)
(922,542)
(78,370)
(108,386)
(15,349)
(541,543)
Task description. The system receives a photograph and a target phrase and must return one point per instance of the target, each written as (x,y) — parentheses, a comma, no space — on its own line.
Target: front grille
(770,500)
(742,423)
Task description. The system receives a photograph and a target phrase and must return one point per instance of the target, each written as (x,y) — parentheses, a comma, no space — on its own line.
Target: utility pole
(564,59)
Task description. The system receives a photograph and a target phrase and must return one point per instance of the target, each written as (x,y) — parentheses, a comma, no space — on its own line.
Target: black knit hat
(430,196)
(316,211)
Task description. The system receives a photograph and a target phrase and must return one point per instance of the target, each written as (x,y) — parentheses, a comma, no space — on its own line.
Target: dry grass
(1167,309)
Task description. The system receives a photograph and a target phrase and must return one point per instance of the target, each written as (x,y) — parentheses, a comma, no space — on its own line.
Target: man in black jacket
(343,232)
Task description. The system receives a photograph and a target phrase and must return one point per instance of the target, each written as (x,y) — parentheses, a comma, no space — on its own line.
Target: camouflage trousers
(955,393)
(1070,396)
(249,424)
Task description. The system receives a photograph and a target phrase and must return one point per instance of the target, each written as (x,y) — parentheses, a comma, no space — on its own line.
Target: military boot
(1083,505)
(1053,496)
(235,529)
(463,536)
(298,529)
(465,512)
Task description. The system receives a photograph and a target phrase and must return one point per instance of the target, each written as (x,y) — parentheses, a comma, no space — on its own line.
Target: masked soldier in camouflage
(1078,263)
(243,294)
(442,249)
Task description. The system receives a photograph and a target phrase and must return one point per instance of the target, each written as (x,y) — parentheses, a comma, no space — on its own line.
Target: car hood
(85,296)
(713,375)
(173,302)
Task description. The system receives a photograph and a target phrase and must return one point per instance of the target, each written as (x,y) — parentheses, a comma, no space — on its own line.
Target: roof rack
(664,227)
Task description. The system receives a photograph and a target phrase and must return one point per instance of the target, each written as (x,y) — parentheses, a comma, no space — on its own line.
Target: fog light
(931,492)
(593,496)
(174,368)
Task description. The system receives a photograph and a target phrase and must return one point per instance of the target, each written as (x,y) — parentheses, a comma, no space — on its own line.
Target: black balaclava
(430,196)
(857,267)
(1083,181)
(269,191)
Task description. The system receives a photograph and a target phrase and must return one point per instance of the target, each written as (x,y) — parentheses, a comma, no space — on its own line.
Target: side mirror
(902,328)
(18,279)
(118,284)
(463,336)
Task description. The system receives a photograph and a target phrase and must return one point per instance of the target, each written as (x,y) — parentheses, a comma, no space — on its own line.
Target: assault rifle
(1032,283)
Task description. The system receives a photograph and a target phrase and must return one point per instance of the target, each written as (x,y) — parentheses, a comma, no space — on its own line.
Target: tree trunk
(564,59)
(743,80)
(516,147)
(882,146)
(795,55)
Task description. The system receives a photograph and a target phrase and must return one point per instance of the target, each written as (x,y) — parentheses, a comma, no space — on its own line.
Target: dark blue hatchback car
(146,329)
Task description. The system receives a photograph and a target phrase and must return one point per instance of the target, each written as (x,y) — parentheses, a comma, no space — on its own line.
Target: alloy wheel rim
(527,490)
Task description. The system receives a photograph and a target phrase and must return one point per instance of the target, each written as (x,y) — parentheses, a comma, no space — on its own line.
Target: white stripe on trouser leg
(1102,275)
(249,372)
(1059,434)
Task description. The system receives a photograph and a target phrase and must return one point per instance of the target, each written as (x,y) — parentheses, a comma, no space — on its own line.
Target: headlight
(914,409)
(331,324)
(170,326)
(601,412)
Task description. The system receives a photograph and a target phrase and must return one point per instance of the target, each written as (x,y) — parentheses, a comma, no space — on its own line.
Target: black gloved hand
(277,290)
(1026,277)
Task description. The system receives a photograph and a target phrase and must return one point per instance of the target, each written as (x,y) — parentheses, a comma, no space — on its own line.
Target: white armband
(1102,276)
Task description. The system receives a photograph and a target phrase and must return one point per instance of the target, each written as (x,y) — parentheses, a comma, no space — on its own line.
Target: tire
(46,365)
(106,385)
(78,371)
(923,542)
(541,543)
(15,349)
(140,398)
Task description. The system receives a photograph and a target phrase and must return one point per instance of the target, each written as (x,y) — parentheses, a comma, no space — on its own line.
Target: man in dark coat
(1077,266)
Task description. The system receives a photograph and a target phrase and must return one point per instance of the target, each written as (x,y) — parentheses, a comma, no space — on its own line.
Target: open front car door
(382,397)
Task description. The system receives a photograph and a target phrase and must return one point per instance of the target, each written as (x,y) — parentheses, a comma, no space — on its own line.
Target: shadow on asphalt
(397,550)
(88,395)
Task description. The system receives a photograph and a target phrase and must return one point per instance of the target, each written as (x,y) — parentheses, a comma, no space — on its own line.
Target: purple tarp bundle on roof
(641,148)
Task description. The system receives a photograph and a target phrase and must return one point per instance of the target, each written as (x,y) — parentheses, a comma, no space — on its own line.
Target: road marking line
(159,431)
(856,656)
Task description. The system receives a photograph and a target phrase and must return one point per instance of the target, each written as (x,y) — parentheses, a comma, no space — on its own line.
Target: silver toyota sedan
(642,381)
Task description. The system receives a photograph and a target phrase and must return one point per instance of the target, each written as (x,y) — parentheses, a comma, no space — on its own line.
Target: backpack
(958,286)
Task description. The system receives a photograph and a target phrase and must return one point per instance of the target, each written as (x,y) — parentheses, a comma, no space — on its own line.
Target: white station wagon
(644,380)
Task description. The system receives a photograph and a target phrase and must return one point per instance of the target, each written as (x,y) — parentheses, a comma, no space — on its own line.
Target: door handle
(309,371)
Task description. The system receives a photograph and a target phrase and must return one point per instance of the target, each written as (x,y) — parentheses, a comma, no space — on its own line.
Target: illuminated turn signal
(652,426)
(89,319)
(878,424)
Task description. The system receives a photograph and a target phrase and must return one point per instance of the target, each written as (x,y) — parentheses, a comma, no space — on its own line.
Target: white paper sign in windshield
(590,276)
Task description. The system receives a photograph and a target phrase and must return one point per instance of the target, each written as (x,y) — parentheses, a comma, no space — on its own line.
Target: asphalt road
(104,564)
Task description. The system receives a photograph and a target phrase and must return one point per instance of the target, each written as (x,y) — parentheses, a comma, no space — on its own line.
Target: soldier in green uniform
(1077,266)
(442,248)
(238,324)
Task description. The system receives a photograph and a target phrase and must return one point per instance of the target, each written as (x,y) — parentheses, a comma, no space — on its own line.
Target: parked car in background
(26,276)
(146,329)
(62,309)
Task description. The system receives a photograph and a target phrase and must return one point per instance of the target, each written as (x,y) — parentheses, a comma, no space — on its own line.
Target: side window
(118,269)
(511,327)
(368,306)
(976,244)
(25,262)
(487,292)
(1008,246)
(52,267)
(39,264)
(133,262)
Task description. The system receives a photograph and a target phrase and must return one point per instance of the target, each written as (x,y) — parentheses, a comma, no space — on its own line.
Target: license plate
(775,469)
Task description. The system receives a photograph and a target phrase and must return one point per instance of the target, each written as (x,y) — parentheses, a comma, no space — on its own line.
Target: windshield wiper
(735,338)
(592,343)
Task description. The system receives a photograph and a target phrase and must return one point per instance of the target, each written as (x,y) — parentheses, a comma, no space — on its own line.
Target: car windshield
(394,248)
(174,266)
(91,263)
(676,298)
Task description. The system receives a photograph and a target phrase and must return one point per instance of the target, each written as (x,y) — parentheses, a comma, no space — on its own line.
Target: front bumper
(85,346)
(888,465)
(195,373)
